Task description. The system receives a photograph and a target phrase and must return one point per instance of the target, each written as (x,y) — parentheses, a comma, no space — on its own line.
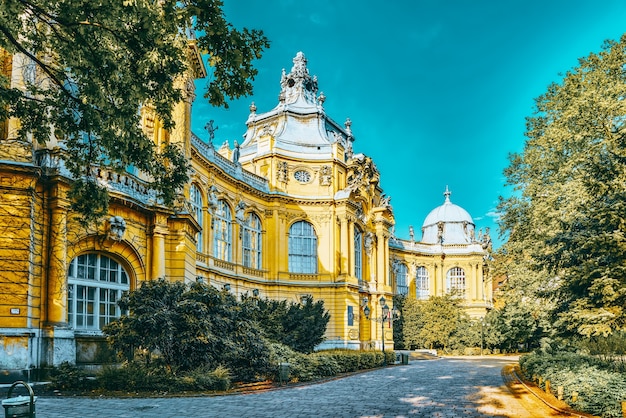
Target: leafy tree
(300,326)
(92,65)
(567,217)
(398,324)
(190,327)
(433,323)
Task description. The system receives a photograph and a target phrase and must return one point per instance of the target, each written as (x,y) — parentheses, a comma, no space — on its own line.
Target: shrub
(69,377)
(599,387)
(202,379)
(134,376)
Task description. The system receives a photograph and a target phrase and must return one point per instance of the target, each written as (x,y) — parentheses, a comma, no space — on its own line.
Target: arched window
(302,248)
(195,198)
(455,281)
(421,283)
(222,232)
(358,254)
(95,284)
(401,273)
(251,241)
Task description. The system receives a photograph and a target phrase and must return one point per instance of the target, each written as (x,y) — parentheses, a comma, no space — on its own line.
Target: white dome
(448,224)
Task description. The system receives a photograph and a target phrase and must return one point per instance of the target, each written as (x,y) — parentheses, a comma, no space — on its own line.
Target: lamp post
(482,334)
(385,311)
(384,317)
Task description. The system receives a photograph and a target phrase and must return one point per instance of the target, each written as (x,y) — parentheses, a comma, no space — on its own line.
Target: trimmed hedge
(155,377)
(590,384)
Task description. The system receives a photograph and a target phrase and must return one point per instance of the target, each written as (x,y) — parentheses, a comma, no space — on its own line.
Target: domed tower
(449,259)
(296,145)
(448,224)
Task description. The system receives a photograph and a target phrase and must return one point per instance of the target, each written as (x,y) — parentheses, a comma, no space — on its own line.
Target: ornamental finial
(447,194)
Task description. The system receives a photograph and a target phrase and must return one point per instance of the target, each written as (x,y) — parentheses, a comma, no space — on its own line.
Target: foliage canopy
(91,65)
(567,218)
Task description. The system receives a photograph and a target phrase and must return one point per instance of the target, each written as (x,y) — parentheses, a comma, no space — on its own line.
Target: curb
(512,374)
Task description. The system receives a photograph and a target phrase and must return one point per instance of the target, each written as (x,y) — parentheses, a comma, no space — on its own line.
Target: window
(302,248)
(222,232)
(95,284)
(196,205)
(251,241)
(421,283)
(401,273)
(455,281)
(358,254)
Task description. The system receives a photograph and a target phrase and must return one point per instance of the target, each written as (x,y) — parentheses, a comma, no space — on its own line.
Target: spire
(447,194)
(298,85)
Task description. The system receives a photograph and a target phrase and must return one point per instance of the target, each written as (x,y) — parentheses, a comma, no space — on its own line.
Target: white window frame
(302,248)
(401,275)
(251,242)
(195,197)
(358,254)
(422,283)
(222,232)
(95,283)
(456,282)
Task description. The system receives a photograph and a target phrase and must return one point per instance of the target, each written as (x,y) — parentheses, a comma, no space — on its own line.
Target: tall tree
(567,217)
(190,326)
(91,65)
(437,322)
(301,326)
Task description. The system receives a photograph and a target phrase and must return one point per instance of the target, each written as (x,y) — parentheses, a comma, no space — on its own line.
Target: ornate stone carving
(326,175)
(240,210)
(116,228)
(267,129)
(385,202)
(282,174)
(368,243)
(298,83)
(212,200)
(362,172)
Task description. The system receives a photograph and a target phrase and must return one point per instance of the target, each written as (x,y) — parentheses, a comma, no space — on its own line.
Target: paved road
(448,387)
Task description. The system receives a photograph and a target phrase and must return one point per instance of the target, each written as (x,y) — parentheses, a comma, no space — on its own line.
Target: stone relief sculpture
(362,172)
(385,202)
(282,174)
(326,176)
(212,199)
(117,228)
(236,153)
(368,243)
(240,212)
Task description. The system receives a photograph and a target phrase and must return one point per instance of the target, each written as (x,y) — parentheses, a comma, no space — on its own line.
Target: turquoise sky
(437,91)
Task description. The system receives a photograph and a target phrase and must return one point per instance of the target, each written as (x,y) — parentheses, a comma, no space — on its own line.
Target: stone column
(159,232)
(57,269)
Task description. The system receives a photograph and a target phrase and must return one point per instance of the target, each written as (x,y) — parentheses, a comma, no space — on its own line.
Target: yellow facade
(292,211)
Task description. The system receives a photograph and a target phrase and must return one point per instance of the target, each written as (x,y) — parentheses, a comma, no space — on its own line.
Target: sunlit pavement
(446,387)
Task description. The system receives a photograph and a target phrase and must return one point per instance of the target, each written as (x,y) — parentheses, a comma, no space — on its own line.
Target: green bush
(600,389)
(202,379)
(69,377)
(134,376)
(347,360)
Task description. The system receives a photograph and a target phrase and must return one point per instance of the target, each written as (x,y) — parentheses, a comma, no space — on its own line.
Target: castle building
(294,210)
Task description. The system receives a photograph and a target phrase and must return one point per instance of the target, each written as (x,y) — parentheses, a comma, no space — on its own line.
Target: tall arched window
(358,254)
(421,283)
(302,248)
(222,232)
(195,198)
(95,284)
(455,281)
(251,241)
(401,273)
